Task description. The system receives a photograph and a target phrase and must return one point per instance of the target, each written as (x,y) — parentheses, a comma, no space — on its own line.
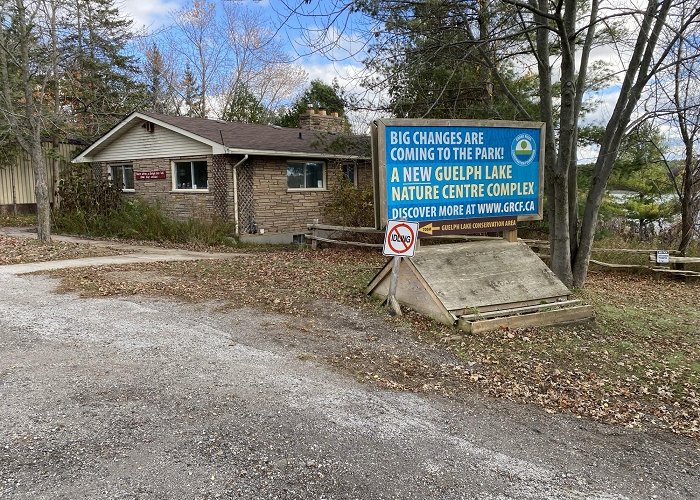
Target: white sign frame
(403,229)
(662,257)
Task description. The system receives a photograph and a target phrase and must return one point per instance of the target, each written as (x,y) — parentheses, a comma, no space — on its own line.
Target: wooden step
(520,310)
(541,318)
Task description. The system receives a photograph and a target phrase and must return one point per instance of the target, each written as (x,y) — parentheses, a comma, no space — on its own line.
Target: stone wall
(184,205)
(280,210)
(263,195)
(364,174)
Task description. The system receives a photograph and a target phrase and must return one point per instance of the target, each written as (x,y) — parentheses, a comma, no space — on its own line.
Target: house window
(305,175)
(350,173)
(123,176)
(190,175)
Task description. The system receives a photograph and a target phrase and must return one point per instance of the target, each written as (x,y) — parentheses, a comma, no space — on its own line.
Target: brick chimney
(321,121)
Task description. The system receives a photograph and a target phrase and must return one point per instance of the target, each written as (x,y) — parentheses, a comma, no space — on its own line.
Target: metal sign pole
(392,305)
(399,241)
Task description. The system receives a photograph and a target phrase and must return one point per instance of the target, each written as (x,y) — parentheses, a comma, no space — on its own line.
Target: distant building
(17,177)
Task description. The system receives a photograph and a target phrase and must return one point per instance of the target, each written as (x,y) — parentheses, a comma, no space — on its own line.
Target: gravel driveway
(138,398)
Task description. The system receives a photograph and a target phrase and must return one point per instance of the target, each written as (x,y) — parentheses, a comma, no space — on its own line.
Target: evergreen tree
(433,70)
(159,89)
(640,171)
(100,85)
(191,94)
(245,107)
(318,95)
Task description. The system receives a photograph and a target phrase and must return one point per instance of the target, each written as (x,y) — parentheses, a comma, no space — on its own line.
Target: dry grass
(27,250)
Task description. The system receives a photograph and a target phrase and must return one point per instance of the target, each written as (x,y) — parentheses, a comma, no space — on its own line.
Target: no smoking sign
(400,238)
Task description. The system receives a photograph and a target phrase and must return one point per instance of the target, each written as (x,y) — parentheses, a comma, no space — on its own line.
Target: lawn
(636,365)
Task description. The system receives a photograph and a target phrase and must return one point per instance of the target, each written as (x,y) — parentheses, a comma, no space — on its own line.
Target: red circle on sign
(407,246)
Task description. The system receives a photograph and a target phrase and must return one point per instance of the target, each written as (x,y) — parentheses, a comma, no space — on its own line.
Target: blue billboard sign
(446,170)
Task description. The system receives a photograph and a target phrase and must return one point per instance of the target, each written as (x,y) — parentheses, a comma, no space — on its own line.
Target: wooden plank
(629,250)
(511,305)
(511,236)
(392,305)
(347,229)
(411,291)
(677,260)
(376,281)
(545,246)
(617,266)
(679,272)
(486,273)
(519,310)
(543,318)
(341,242)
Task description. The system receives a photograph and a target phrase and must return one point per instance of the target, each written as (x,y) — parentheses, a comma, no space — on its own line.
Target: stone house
(269,181)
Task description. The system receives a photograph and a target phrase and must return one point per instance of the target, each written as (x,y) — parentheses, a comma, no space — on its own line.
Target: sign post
(399,241)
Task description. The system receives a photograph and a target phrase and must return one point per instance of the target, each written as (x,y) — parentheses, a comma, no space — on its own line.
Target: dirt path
(139,398)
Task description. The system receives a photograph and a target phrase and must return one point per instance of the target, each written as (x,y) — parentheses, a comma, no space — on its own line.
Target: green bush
(142,221)
(90,206)
(350,206)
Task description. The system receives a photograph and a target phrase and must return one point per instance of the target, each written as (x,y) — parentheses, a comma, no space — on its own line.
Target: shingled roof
(245,138)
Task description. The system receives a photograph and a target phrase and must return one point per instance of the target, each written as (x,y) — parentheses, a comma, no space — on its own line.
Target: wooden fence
(538,246)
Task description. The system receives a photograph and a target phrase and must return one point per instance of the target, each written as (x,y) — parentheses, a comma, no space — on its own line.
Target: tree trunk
(688,201)
(41,191)
(573,201)
(636,77)
(546,113)
(561,248)
(587,232)
(573,166)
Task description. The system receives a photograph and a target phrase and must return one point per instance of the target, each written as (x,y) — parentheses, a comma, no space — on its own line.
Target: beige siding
(137,142)
(24,176)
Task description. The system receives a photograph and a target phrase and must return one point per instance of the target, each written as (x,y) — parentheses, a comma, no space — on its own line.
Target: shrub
(141,221)
(90,206)
(350,206)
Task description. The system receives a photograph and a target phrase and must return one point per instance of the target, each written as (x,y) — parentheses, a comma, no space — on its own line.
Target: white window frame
(114,181)
(323,168)
(173,172)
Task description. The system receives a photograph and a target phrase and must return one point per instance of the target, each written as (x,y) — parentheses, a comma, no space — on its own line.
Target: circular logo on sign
(523,149)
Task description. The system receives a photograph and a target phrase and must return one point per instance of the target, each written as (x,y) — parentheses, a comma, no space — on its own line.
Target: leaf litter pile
(28,250)
(637,365)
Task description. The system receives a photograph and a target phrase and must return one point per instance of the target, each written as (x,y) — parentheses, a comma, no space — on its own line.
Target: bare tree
(26,71)
(228,51)
(560,37)
(257,60)
(674,103)
(686,108)
(196,38)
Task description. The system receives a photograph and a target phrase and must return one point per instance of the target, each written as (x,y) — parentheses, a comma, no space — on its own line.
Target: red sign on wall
(153,174)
